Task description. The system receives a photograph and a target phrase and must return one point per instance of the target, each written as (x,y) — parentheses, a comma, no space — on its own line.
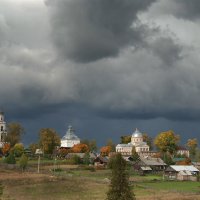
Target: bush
(23,162)
(10,159)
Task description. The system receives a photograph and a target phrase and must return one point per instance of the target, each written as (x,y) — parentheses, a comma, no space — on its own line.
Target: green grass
(176,186)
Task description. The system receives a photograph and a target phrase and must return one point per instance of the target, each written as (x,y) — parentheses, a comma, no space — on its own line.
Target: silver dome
(137,133)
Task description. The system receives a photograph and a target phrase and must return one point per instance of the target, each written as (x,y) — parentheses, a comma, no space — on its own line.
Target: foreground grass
(82,184)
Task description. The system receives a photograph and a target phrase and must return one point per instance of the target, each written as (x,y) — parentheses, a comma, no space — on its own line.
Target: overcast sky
(104,67)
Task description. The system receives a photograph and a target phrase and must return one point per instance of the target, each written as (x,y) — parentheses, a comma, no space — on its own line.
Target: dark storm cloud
(88,30)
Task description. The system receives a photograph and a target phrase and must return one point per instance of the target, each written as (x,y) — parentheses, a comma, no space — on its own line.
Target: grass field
(78,184)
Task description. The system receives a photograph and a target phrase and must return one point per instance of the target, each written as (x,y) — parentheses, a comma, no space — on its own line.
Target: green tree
(86,159)
(10,159)
(23,162)
(134,155)
(14,133)
(119,188)
(167,142)
(18,149)
(48,140)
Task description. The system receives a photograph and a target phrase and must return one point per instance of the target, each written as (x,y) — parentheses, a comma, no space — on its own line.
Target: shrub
(23,162)
(10,159)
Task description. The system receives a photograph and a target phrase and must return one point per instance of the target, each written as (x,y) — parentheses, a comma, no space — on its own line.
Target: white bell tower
(2,127)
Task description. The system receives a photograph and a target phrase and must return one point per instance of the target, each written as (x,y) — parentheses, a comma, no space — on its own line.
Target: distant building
(3,131)
(136,141)
(181,172)
(69,139)
(183,151)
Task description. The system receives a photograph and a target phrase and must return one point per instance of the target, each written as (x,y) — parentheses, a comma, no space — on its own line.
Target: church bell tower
(2,127)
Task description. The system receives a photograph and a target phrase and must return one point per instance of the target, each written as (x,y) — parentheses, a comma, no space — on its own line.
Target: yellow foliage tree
(192,145)
(49,139)
(167,142)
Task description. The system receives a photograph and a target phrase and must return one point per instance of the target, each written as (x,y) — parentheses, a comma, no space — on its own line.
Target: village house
(101,161)
(181,172)
(149,164)
(183,151)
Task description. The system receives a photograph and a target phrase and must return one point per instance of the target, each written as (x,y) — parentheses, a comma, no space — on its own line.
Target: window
(1,128)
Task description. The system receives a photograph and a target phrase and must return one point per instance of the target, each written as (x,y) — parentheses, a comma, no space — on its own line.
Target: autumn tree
(192,145)
(119,188)
(105,150)
(148,140)
(125,139)
(14,133)
(167,142)
(80,148)
(92,144)
(48,140)
(6,148)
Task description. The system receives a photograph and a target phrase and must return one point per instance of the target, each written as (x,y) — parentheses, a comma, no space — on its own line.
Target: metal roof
(70,134)
(179,168)
(125,145)
(137,133)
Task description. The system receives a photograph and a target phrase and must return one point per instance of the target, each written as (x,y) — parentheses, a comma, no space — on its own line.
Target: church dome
(70,134)
(137,133)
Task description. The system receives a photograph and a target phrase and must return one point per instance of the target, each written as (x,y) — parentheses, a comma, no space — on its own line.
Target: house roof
(179,168)
(146,168)
(152,161)
(125,145)
(185,173)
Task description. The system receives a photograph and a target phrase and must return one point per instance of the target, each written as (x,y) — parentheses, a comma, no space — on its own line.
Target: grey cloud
(187,9)
(167,50)
(88,30)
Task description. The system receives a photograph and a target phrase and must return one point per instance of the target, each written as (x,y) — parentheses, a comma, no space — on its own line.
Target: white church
(136,141)
(3,131)
(69,139)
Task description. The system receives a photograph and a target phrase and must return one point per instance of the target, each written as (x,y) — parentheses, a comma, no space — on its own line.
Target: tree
(105,150)
(148,140)
(111,144)
(10,159)
(80,148)
(14,133)
(125,139)
(6,148)
(23,162)
(192,145)
(48,140)
(167,142)
(86,159)
(119,188)
(92,145)
(18,149)
(135,155)
(33,147)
